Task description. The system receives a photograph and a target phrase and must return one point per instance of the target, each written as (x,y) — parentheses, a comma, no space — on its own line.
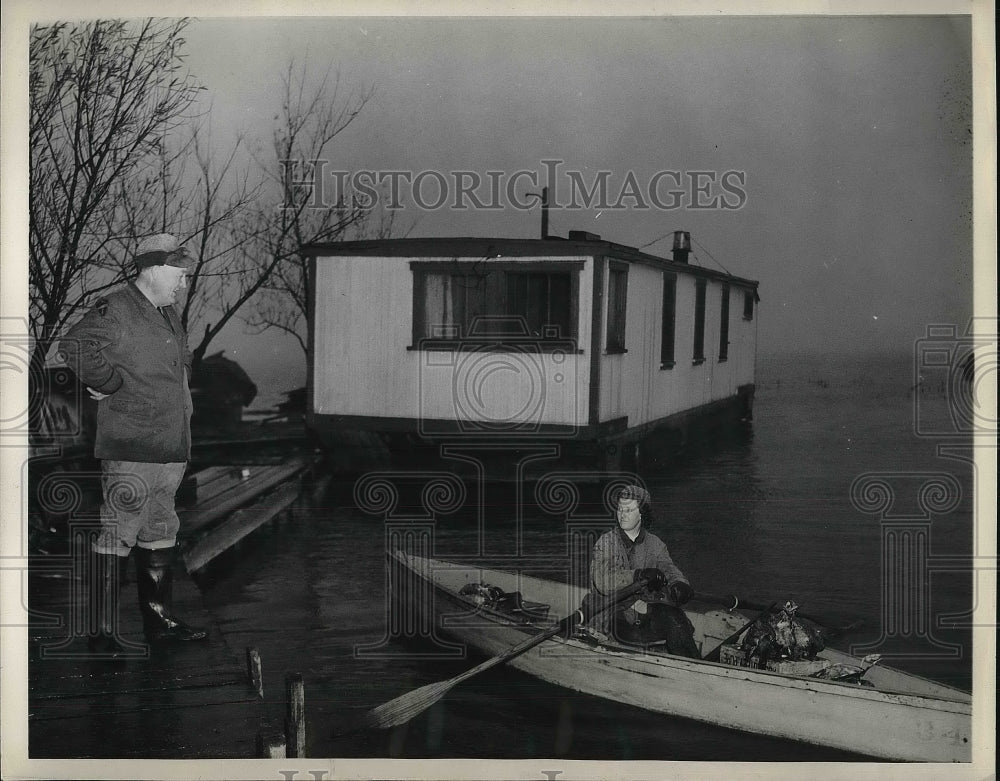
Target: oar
(731,602)
(713,655)
(405,707)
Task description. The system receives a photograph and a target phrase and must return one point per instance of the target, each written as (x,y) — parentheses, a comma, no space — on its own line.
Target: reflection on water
(764,512)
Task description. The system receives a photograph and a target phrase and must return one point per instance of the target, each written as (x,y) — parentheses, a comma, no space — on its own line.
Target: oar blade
(406,706)
(411,704)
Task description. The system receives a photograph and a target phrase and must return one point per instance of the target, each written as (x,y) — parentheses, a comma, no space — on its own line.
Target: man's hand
(654,578)
(680,592)
(96,395)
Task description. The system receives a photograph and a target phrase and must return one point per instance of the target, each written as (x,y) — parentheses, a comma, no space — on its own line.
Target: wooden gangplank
(232,502)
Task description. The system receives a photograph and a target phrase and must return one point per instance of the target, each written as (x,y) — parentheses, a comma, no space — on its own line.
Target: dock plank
(186,700)
(204,483)
(239,525)
(182,725)
(238,495)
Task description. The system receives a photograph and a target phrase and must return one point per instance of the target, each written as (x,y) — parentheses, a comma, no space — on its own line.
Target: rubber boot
(154,579)
(675,627)
(107,574)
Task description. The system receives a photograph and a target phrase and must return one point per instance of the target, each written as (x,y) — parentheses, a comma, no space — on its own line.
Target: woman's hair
(641,495)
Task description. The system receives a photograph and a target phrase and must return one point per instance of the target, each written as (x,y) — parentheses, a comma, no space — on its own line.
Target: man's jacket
(137,354)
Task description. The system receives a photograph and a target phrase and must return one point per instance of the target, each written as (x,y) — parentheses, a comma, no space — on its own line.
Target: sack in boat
(482,594)
(494,598)
(781,636)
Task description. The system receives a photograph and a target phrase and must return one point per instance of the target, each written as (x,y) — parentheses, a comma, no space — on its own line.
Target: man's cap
(640,494)
(162,249)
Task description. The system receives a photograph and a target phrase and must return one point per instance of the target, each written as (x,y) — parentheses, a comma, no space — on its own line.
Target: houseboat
(579,342)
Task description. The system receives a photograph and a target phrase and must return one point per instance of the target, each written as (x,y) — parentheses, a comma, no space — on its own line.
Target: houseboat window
(617,299)
(724,325)
(748,305)
(477,302)
(699,321)
(669,321)
(542,300)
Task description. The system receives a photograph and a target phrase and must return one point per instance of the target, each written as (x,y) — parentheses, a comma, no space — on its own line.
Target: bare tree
(209,206)
(309,122)
(109,165)
(103,95)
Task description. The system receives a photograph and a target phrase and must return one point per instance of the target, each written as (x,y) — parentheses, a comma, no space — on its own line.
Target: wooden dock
(187,701)
(230,502)
(182,701)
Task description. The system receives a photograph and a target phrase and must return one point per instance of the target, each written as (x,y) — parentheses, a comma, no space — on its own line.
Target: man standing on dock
(131,352)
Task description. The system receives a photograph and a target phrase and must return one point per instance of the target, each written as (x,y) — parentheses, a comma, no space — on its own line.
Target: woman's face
(628,514)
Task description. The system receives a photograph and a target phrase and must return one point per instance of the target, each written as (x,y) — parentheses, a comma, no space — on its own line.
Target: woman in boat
(628,553)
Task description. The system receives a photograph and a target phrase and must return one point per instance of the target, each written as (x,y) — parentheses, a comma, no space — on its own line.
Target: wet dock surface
(177,701)
(184,700)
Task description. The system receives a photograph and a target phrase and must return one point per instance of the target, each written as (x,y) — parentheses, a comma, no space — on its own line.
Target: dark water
(765,512)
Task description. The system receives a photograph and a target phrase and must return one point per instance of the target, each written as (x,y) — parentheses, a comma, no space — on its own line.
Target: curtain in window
(439,318)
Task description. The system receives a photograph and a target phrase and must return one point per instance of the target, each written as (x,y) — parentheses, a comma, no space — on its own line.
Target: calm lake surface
(764,512)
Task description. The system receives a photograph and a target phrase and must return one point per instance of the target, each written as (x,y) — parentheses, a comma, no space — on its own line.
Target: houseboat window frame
(453,340)
(700,292)
(668,321)
(724,324)
(617,310)
(748,304)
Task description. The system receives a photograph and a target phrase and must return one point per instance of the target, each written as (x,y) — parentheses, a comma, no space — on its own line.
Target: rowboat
(890,714)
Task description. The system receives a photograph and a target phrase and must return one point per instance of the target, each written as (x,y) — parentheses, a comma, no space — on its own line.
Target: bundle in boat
(511,602)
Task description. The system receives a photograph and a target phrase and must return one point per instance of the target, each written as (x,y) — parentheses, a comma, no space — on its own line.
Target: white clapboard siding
(743,339)
(365,365)
(633,384)
(363,326)
(362,367)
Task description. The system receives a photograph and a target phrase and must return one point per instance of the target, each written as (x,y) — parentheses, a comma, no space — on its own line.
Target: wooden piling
(295,719)
(254,671)
(270,745)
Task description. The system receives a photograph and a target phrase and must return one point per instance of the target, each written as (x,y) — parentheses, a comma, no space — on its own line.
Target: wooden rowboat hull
(904,717)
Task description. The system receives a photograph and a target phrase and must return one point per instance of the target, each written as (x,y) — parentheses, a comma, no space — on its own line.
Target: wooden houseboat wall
(387,356)
(639,385)
(370,370)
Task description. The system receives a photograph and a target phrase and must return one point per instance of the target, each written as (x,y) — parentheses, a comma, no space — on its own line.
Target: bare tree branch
(117,154)
(310,120)
(205,203)
(102,95)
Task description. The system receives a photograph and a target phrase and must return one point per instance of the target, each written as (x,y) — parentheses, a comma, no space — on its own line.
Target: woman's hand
(680,592)
(654,578)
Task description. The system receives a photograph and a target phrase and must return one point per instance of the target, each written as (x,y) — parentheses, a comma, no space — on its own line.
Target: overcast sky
(852,133)
(848,140)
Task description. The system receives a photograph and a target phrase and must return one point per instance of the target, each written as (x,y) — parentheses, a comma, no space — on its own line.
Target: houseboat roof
(469,246)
